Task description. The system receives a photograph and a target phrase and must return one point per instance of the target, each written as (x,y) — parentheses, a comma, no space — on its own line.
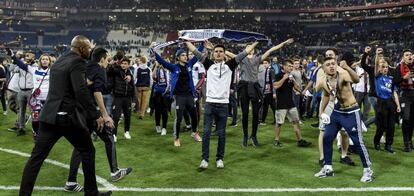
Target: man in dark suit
(67,107)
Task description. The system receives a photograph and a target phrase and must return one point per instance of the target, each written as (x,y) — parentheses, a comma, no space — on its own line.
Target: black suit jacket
(68,92)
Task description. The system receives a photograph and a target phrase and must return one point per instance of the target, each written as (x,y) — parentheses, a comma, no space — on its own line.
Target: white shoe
(148,110)
(203,164)
(196,137)
(158,129)
(5,113)
(115,138)
(220,163)
(164,131)
(363,127)
(382,141)
(127,135)
(368,175)
(325,172)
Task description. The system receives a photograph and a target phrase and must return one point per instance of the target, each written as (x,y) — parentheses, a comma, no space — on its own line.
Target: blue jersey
(384,86)
(313,78)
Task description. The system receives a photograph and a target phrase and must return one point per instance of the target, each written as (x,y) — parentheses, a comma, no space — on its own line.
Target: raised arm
(354,76)
(275,48)
(164,63)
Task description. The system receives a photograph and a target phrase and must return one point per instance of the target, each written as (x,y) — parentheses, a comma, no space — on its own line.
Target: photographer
(404,78)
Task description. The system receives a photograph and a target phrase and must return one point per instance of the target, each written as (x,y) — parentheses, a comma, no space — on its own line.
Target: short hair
(333,49)
(143,59)
(286,61)
(126,59)
(407,50)
(119,55)
(266,59)
(98,54)
(220,46)
(328,59)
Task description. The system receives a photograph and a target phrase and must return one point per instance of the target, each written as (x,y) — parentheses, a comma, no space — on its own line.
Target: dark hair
(220,46)
(388,60)
(98,54)
(126,59)
(334,50)
(267,59)
(328,59)
(119,55)
(286,61)
(407,50)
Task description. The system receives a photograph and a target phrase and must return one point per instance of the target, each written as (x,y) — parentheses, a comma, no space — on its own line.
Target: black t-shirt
(182,87)
(284,93)
(97,75)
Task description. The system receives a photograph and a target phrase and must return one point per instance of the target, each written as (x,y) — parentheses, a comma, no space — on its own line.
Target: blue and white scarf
(205,34)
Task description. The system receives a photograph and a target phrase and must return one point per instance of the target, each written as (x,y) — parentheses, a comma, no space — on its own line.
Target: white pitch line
(99,179)
(232,190)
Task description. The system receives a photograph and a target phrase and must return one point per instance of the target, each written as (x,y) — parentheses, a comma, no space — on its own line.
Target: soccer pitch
(162,169)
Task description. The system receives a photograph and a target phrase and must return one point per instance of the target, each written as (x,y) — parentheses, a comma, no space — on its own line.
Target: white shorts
(292,115)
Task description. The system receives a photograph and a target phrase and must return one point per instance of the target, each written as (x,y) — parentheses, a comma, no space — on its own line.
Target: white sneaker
(196,137)
(367,176)
(164,131)
(203,164)
(148,110)
(115,138)
(382,141)
(127,135)
(5,113)
(158,129)
(220,163)
(363,127)
(324,173)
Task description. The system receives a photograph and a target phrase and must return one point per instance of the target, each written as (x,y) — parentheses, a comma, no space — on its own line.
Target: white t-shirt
(363,81)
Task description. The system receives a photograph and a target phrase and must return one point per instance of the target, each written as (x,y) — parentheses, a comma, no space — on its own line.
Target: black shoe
(347,161)
(304,143)
(277,143)
(377,147)
(105,193)
(21,132)
(121,173)
(255,143)
(321,162)
(244,144)
(315,125)
(389,149)
(407,149)
(73,188)
(233,124)
(13,129)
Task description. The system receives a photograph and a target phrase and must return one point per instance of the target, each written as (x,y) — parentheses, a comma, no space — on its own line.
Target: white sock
(328,167)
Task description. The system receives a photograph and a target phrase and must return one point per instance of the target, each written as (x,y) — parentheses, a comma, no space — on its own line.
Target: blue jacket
(175,70)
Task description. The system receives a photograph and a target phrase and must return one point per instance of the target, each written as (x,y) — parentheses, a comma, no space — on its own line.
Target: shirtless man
(340,109)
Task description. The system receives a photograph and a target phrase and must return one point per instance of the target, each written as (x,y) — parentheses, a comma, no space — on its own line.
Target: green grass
(157,163)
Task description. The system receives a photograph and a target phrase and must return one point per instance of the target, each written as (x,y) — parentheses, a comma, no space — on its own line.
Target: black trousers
(385,121)
(407,109)
(49,134)
(110,148)
(245,100)
(161,104)
(268,101)
(185,103)
(122,105)
(3,99)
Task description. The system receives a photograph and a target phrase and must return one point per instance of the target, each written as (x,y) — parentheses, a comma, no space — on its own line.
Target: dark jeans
(110,148)
(122,104)
(244,102)
(161,104)
(407,109)
(385,121)
(3,99)
(185,103)
(218,112)
(108,99)
(233,107)
(268,101)
(48,135)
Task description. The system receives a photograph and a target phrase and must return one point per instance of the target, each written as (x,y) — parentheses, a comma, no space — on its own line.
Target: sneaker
(255,143)
(244,143)
(377,147)
(94,136)
(203,164)
(187,128)
(347,161)
(5,113)
(158,129)
(407,149)
(127,135)
(115,138)
(220,164)
(321,162)
(13,129)
(21,132)
(164,131)
(324,173)
(262,123)
(304,143)
(177,143)
(367,176)
(233,125)
(121,173)
(277,143)
(196,137)
(389,149)
(73,188)
(300,122)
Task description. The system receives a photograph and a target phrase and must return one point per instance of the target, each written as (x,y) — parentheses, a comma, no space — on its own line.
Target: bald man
(65,111)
